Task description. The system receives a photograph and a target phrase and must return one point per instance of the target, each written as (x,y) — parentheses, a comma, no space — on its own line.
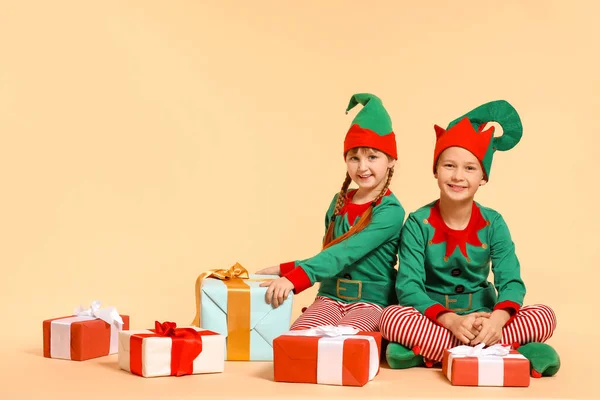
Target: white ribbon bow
(107,314)
(490,362)
(496,350)
(325,330)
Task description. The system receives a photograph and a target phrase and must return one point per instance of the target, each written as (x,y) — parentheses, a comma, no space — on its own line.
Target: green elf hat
(467,132)
(372,126)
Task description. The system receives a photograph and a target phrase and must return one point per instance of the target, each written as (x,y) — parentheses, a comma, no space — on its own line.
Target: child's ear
(391,163)
(483,182)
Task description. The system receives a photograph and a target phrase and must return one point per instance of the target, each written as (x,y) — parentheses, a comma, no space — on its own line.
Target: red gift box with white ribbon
(492,366)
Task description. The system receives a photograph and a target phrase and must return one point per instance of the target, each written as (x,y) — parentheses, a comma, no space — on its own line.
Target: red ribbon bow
(187,345)
(166,328)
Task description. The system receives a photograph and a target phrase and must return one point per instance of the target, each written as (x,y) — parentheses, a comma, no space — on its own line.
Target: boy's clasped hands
(475,328)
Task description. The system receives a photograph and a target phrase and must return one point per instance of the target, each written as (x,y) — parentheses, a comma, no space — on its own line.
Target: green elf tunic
(362,267)
(442,269)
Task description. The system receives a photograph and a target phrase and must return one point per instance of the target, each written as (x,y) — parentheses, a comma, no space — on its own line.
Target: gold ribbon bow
(238,308)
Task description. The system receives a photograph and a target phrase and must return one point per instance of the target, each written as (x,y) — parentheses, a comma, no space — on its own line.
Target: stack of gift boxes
(234,323)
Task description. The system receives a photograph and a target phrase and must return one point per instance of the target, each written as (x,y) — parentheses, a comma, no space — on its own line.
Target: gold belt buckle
(449,300)
(341,289)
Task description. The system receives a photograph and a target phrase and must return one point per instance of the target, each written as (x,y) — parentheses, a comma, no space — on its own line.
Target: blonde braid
(341,200)
(386,186)
(365,218)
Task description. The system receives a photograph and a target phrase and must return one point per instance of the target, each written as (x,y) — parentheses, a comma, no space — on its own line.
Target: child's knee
(386,314)
(550,316)
(545,318)
(389,321)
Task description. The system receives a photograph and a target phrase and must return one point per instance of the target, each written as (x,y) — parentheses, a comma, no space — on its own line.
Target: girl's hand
(462,326)
(278,291)
(269,271)
(491,328)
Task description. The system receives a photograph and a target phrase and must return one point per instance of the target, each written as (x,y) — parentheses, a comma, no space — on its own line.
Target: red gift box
(347,357)
(495,366)
(89,334)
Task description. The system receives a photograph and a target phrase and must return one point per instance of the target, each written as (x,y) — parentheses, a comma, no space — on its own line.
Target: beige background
(145,142)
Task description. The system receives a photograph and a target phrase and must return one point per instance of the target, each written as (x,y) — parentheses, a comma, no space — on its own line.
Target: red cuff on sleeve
(509,306)
(434,311)
(299,279)
(286,267)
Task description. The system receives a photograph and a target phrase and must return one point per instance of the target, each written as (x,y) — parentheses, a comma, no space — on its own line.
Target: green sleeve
(505,264)
(410,282)
(386,223)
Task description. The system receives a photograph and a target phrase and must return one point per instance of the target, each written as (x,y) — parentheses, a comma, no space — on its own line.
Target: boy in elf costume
(356,266)
(445,298)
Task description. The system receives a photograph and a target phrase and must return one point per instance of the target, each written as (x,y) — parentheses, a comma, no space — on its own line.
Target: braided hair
(364,219)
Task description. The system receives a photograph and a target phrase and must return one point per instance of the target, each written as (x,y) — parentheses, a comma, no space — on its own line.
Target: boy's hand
(462,326)
(491,328)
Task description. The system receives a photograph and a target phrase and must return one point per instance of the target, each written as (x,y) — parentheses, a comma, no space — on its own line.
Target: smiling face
(459,174)
(368,168)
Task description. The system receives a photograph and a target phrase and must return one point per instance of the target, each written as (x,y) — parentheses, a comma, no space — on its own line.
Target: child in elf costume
(444,296)
(356,266)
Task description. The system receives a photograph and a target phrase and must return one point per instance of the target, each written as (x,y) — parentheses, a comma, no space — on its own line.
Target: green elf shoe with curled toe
(400,357)
(543,358)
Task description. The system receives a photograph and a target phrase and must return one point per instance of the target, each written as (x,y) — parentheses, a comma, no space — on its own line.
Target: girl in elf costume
(444,259)
(356,267)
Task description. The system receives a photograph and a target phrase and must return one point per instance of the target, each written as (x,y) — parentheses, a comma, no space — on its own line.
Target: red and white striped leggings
(410,328)
(325,311)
